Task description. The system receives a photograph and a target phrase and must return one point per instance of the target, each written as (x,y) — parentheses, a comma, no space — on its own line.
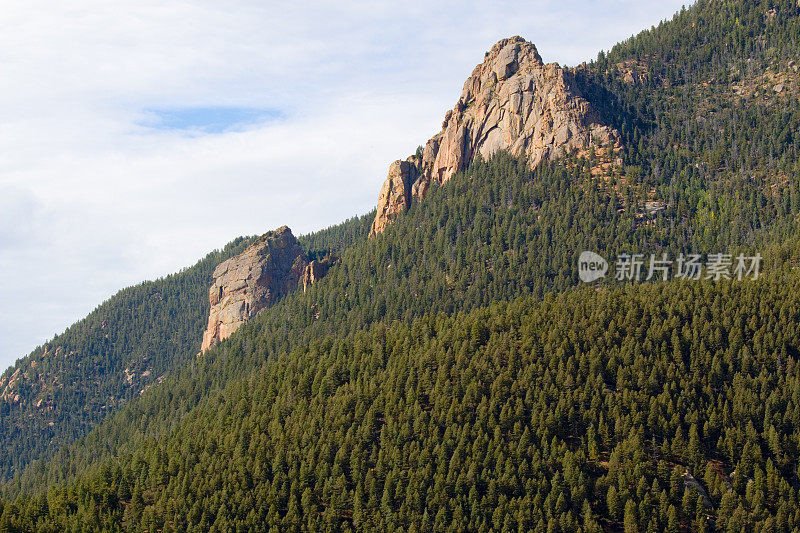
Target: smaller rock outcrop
(395,195)
(317,269)
(267,270)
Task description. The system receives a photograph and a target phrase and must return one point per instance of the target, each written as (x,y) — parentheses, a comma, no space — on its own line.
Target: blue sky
(138,136)
(201,120)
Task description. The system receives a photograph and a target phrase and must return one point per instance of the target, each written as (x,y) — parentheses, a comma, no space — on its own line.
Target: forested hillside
(448,373)
(336,238)
(654,407)
(63,388)
(708,106)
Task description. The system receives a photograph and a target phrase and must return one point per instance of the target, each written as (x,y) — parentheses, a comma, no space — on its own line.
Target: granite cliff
(267,270)
(512,101)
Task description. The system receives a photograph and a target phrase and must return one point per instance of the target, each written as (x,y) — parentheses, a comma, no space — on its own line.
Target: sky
(135,137)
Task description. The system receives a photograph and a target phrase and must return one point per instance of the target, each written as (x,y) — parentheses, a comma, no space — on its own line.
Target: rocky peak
(512,101)
(267,270)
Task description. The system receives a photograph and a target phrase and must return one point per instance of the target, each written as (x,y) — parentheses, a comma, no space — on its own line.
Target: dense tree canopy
(562,414)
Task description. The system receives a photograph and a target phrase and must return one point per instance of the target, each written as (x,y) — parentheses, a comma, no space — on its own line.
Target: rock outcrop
(513,102)
(317,269)
(243,285)
(395,195)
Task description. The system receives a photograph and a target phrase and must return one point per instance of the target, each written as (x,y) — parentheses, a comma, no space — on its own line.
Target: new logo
(591,267)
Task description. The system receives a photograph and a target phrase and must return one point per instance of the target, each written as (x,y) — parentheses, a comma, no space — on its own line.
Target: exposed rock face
(243,285)
(513,102)
(317,269)
(395,196)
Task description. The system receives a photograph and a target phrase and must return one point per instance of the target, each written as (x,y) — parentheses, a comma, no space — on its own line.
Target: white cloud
(91,201)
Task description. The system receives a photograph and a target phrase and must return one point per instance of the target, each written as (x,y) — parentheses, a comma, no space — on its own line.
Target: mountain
(451,373)
(511,102)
